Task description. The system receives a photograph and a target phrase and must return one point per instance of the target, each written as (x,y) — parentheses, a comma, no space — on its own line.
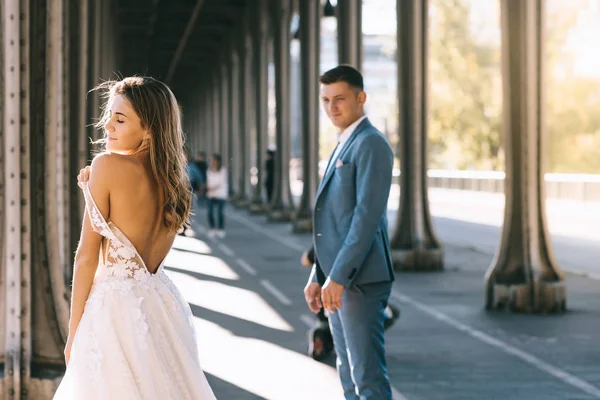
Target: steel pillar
(349,32)
(36,198)
(524,276)
(282,205)
(209,134)
(234,130)
(310,18)
(243,137)
(261,65)
(215,89)
(224,109)
(414,243)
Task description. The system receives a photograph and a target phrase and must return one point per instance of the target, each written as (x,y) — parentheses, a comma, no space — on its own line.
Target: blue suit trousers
(357,330)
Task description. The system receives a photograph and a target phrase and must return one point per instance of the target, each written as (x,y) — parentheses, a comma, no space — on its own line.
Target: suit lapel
(329,172)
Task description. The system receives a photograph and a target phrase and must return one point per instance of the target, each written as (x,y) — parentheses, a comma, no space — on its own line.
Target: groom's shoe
(320,342)
(391,315)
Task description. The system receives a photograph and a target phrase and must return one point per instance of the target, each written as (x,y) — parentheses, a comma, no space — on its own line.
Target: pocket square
(339,163)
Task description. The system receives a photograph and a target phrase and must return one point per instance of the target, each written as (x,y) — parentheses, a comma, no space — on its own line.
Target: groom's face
(342,103)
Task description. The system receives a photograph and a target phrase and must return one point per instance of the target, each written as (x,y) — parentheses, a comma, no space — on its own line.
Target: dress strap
(97,220)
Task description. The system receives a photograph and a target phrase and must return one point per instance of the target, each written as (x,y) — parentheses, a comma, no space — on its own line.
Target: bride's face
(124,130)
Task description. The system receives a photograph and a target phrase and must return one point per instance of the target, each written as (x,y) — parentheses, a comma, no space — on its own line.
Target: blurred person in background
(216,193)
(270,173)
(202,165)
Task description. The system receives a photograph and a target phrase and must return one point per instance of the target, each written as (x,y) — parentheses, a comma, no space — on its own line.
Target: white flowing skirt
(135,341)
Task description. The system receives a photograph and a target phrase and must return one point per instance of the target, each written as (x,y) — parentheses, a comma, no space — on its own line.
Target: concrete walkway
(246,295)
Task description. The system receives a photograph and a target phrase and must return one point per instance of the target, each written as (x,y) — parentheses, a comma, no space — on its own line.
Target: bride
(131,334)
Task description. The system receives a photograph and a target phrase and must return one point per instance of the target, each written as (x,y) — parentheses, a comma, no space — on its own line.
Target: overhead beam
(150,29)
(186,34)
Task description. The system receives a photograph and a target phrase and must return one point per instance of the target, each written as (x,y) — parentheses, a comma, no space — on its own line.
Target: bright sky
(379,18)
(583,40)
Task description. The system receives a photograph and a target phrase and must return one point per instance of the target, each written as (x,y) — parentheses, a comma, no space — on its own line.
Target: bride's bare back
(136,207)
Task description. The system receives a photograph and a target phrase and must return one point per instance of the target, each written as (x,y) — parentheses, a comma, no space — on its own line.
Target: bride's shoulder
(110,167)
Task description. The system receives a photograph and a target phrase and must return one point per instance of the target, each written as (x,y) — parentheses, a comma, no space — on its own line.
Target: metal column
(37,255)
(310,18)
(524,276)
(234,129)
(349,32)
(414,243)
(282,205)
(243,132)
(250,105)
(215,89)
(261,65)
(225,121)
(16,333)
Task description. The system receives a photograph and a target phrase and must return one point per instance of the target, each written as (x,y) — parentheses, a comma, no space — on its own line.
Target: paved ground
(246,294)
(474,219)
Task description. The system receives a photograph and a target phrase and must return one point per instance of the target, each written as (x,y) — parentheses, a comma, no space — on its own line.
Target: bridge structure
(214,54)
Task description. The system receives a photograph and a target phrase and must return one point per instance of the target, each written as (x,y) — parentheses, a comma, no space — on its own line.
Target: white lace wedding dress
(135,339)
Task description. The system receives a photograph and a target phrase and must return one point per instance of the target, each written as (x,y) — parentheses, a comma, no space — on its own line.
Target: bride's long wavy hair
(159,112)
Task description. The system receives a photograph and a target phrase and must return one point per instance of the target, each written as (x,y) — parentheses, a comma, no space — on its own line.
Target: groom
(354,278)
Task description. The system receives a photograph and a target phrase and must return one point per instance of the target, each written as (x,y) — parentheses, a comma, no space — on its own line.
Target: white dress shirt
(342,139)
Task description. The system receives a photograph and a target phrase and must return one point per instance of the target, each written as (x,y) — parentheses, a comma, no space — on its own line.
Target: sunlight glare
(191,244)
(229,300)
(199,263)
(262,368)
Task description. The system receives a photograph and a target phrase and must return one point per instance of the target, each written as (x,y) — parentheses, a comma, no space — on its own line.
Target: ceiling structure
(174,40)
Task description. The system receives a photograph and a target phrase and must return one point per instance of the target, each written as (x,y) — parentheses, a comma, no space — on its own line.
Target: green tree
(465,91)
(572,100)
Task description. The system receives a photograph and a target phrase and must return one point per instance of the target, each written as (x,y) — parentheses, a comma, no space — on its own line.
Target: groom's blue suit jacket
(350,224)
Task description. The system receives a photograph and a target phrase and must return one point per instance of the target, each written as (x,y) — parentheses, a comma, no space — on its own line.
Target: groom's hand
(312,295)
(331,295)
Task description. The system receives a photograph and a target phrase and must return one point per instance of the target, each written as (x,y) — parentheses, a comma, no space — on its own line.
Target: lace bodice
(136,337)
(118,256)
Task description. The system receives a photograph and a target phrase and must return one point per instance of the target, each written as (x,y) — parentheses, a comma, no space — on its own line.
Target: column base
(302,225)
(242,203)
(539,297)
(418,260)
(258,208)
(281,215)
(233,200)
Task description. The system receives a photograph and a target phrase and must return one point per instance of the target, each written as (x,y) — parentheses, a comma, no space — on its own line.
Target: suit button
(319,234)
(318,209)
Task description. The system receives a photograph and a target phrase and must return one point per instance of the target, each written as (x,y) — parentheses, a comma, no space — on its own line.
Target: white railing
(583,187)
(580,187)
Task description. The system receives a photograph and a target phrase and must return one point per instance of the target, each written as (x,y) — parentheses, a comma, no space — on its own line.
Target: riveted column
(13,56)
(3,288)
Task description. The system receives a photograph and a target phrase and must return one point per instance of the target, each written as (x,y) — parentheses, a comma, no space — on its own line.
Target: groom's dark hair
(343,73)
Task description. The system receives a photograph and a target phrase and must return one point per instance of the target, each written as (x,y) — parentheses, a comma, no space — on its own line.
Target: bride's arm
(86,257)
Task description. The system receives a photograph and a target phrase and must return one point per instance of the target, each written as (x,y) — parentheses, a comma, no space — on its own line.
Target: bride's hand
(84,176)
